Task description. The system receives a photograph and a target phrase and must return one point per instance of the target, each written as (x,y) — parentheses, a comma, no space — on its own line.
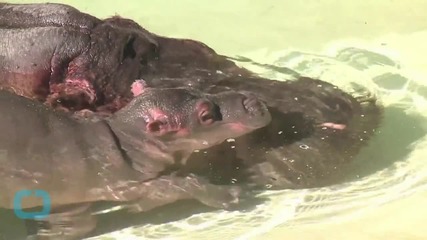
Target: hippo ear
(138,87)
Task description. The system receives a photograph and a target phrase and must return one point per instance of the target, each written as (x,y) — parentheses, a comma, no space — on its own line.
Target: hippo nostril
(251,104)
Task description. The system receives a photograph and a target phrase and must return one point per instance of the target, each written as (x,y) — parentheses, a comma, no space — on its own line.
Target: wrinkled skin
(90,63)
(324,118)
(128,158)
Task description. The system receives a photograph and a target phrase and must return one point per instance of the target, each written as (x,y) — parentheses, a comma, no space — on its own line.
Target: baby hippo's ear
(138,87)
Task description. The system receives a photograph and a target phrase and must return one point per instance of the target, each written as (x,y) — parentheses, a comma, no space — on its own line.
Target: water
(380,46)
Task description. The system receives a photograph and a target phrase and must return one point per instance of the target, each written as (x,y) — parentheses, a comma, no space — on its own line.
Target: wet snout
(257,112)
(253,105)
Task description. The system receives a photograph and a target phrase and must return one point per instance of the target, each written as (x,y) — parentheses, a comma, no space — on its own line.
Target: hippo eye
(208,112)
(210,116)
(206,118)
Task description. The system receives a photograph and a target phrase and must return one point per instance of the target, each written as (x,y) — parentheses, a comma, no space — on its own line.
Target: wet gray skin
(70,59)
(130,157)
(184,120)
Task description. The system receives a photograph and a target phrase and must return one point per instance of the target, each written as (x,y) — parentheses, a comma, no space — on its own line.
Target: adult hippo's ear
(129,49)
(139,47)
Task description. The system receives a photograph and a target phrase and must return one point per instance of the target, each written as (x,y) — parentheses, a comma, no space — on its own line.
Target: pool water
(378,45)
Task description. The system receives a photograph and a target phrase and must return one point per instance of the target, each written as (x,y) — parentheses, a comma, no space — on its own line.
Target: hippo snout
(258,114)
(253,105)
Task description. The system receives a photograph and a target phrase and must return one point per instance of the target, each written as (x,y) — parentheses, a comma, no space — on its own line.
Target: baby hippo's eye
(208,113)
(206,117)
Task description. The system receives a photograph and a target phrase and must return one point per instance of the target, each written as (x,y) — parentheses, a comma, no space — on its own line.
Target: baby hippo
(131,157)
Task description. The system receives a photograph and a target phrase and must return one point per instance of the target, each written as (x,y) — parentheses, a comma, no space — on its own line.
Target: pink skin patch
(184,132)
(333,125)
(157,123)
(85,113)
(80,86)
(138,87)
(78,90)
(157,114)
(238,128)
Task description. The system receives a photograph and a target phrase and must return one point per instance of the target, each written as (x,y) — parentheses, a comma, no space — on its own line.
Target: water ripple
(354,70)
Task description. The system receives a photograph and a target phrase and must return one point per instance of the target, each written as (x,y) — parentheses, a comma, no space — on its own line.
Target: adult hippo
(131,157)
(58,55)
(74,61)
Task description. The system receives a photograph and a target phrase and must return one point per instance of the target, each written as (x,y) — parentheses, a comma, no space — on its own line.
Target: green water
(245,25)
(378,44)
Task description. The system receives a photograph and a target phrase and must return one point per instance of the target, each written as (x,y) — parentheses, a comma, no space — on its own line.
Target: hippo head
(187,119)
(118,53)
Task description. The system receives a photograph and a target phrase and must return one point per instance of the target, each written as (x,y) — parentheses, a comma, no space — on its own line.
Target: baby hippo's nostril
(252,104)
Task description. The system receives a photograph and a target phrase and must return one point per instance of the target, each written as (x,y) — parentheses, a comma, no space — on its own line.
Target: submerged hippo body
(315,129)
(312,138)
(132,156)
